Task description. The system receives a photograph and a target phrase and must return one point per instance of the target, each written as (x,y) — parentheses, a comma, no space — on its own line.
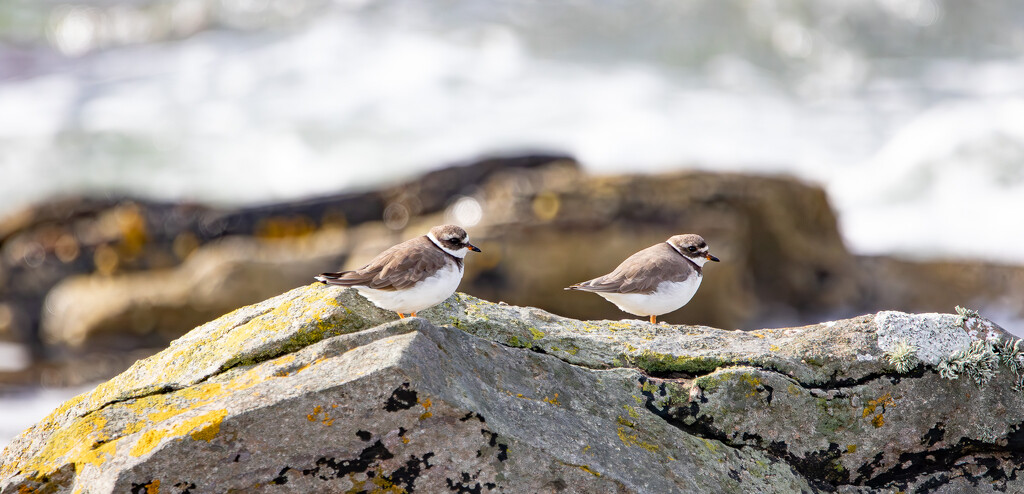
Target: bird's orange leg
(413,314)
(654,319)
(400,316)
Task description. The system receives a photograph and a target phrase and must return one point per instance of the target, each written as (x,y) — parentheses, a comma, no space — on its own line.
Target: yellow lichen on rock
(84,441)
(149,440)
(202,427)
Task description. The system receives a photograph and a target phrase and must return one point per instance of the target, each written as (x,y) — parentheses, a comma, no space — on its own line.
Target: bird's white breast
(427,293)
(669,296)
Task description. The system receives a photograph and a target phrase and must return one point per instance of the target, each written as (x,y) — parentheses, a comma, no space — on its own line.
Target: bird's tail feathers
(332,278)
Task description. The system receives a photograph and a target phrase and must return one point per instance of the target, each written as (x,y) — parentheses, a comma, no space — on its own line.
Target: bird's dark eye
(692,249)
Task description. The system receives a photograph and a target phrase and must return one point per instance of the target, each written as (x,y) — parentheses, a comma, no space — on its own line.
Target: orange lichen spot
(878,421)
(405,440)
(883,401)
(553,401)
(153,487)
(426,406)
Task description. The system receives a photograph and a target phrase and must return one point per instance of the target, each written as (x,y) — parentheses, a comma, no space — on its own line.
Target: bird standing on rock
(413,275)
(656,280)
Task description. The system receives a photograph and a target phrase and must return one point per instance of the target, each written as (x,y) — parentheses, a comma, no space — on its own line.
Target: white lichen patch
(935,336)
(865,357)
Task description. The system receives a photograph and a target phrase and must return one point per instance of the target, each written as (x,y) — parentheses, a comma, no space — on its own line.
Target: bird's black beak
(472,247)
(711,258)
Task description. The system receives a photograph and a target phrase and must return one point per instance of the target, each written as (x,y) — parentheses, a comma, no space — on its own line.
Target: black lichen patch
(338,469)
(465,484)
(282,477)
(472,415)
(492,435)
(407,474)
(934,435)
(492,441)
(364,435)
(402,398)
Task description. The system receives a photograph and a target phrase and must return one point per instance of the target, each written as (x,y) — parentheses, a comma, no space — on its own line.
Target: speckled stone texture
(316,390)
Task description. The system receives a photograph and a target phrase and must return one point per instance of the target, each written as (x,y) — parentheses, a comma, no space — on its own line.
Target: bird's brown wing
(642,272)
(399,267)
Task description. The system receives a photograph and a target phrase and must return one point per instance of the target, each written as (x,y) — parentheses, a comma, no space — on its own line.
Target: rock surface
(317,390)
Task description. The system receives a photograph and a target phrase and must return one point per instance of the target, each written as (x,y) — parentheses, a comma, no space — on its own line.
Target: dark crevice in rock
(832,384)
(703,426)
(915,465)
(893,376)
(156,391)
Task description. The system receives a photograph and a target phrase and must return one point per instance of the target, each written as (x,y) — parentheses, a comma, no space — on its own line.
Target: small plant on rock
(903,356)
(965,315)
(978,361)
(1011,355)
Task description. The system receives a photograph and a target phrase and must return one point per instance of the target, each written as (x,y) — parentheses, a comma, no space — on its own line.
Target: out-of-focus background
(163,162)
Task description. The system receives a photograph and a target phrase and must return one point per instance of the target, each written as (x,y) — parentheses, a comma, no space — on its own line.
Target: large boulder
(317,390)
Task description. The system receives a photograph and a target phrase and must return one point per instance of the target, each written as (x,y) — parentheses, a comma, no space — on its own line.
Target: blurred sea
(909,112)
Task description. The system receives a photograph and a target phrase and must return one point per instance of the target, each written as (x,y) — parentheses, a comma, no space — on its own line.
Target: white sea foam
(355,96)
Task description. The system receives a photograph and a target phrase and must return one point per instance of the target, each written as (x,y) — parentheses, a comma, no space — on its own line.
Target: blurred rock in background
(91,285)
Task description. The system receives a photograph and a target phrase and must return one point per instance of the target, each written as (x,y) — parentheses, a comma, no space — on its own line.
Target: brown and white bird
(656,280)
(413,275)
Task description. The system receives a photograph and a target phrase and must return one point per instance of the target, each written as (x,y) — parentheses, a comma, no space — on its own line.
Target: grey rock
(317,390)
